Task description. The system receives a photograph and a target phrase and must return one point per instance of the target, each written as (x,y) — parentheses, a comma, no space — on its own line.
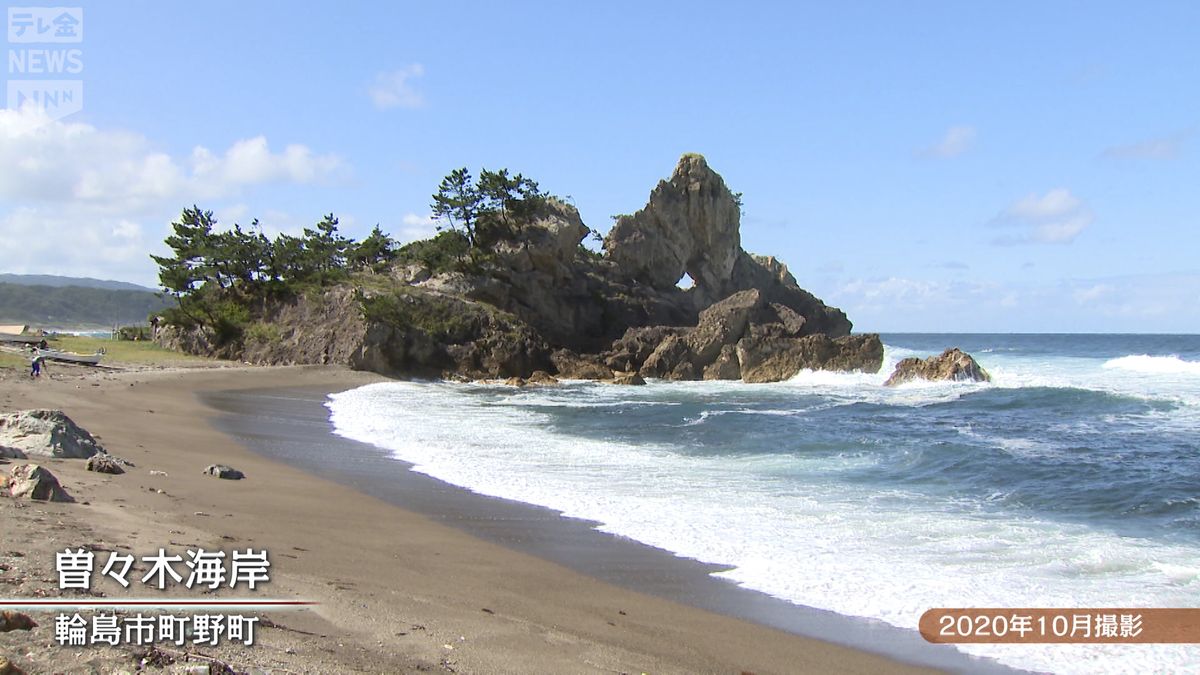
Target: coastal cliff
(539,300)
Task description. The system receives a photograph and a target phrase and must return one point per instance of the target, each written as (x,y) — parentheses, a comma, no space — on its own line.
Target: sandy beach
(396,590)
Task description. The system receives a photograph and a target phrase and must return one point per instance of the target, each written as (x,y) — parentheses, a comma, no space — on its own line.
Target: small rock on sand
(35,482)
(105,463)
(226,472)
(10,620)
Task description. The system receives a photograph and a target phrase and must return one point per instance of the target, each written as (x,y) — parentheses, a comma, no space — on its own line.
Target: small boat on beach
(13,338)
(70,357)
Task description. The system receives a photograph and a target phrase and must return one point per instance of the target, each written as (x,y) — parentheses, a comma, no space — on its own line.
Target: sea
(1072,479)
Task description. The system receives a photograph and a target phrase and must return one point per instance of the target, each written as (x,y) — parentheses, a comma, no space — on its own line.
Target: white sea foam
(1155,365)
(814,540)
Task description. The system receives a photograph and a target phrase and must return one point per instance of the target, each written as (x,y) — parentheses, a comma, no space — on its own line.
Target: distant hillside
(74,305)
(57,281)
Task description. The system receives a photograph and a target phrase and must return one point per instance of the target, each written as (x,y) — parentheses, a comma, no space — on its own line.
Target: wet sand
(410,574)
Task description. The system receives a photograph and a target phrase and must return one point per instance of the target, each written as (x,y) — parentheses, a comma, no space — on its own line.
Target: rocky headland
(542,302)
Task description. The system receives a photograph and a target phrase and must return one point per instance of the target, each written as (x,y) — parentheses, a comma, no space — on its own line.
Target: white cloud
(1142,303)
(250,161)
(893,291)
(1092,293)
(51,240)
(394,89)
(1053,204)
(43,160)
(1165,147)
(953,143)
(1056,217)
(75,199)
(416,227)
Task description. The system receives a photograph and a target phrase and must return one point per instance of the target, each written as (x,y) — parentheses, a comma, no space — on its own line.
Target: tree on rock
(373,253)
(457,203)
(485,210)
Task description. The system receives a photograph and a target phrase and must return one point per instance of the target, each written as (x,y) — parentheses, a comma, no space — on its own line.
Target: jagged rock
(11,453)
(573,366)
(105,463)
(223,471)
(637,344)
(626,378)
(46,433)
(768,354)
(691,224)
(33,481)
(722,324)
(411,274)
(551,239)
(671,360)
(11,620)
(791,320)
(726,366)
(541,274)
(542,378)
(413,331)
(772,278)
(515,382)
(952,364)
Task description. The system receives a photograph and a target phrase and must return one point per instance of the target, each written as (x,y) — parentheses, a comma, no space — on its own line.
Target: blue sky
(925,166)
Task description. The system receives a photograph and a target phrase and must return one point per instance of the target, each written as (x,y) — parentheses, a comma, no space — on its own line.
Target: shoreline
(398,591)
(572,542)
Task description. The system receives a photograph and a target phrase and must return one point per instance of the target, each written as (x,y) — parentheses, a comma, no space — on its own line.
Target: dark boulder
(768,354)
(953,364)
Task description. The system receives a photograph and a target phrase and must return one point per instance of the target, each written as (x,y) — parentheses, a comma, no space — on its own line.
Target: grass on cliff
(9,360)
(139,353)
(442,318)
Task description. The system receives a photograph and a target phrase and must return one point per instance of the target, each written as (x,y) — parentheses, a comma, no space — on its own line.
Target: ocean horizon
(1069,480)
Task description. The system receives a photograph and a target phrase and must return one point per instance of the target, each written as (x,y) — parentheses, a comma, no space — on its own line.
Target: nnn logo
(56,98)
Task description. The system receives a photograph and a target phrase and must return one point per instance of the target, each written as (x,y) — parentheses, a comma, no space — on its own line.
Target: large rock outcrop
(691,224)
(539,300)
(767,355)
(953,364)
(46,433)
(741,337)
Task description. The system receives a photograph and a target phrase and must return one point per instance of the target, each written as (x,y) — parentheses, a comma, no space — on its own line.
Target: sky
(925,166)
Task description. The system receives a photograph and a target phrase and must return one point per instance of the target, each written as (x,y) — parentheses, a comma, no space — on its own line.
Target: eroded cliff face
(543,302)
(691,224)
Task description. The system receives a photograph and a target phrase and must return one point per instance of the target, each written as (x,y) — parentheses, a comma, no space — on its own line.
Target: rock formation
(33,481)
(105,463)
(223,471)
(952,364)
(691,224)
(46,433)
(12,620)
(539,300)
(766,355)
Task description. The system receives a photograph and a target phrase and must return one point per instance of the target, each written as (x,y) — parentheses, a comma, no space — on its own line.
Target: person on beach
(36,366)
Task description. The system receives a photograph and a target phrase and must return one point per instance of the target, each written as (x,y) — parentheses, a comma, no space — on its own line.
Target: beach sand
(397,590)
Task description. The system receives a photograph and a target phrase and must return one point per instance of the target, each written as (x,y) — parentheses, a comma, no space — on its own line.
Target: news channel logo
(44,60)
